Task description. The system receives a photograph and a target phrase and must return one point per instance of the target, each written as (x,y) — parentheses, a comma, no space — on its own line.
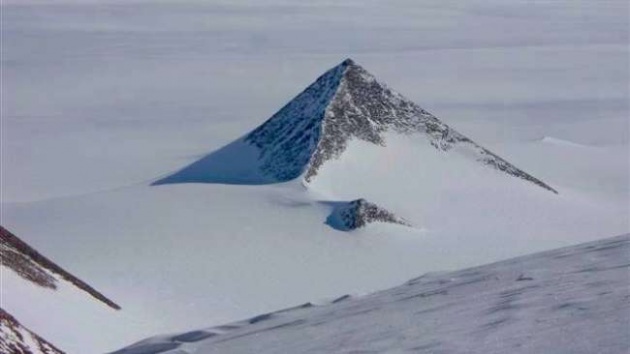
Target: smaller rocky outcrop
(358,213)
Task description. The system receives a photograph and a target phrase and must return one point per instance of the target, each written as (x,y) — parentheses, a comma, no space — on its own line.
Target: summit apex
(348,62)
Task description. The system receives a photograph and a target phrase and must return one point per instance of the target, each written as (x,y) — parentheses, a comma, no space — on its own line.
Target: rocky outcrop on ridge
(358,213)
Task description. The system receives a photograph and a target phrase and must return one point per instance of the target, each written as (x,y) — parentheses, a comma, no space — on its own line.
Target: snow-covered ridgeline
(573,299)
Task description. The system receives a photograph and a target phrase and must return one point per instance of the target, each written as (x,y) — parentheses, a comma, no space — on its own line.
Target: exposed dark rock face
(26,267)
(290,137)
(358,213)
(16,339)
(34,267)
(346,103)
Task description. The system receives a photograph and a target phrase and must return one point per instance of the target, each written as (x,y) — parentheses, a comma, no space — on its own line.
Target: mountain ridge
(36,268)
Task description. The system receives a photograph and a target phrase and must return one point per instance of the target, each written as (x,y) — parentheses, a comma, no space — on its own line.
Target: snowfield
(102,99)
(570,300)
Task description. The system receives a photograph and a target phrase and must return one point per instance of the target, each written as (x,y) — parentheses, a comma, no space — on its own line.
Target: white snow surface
(569,300)
(101,98)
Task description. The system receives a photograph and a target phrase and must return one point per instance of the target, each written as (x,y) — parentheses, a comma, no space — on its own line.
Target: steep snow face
(570,300)
(16,339)
(344,104)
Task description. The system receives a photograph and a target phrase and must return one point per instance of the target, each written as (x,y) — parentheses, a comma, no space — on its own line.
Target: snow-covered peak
(346,103)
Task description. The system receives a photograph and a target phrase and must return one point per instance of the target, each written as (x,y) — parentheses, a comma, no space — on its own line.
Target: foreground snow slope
(570,300)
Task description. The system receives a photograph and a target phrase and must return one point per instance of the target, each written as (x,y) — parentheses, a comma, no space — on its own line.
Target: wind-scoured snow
(572,300)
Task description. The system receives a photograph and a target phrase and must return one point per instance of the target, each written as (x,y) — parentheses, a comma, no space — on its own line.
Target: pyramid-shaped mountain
(343,104)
